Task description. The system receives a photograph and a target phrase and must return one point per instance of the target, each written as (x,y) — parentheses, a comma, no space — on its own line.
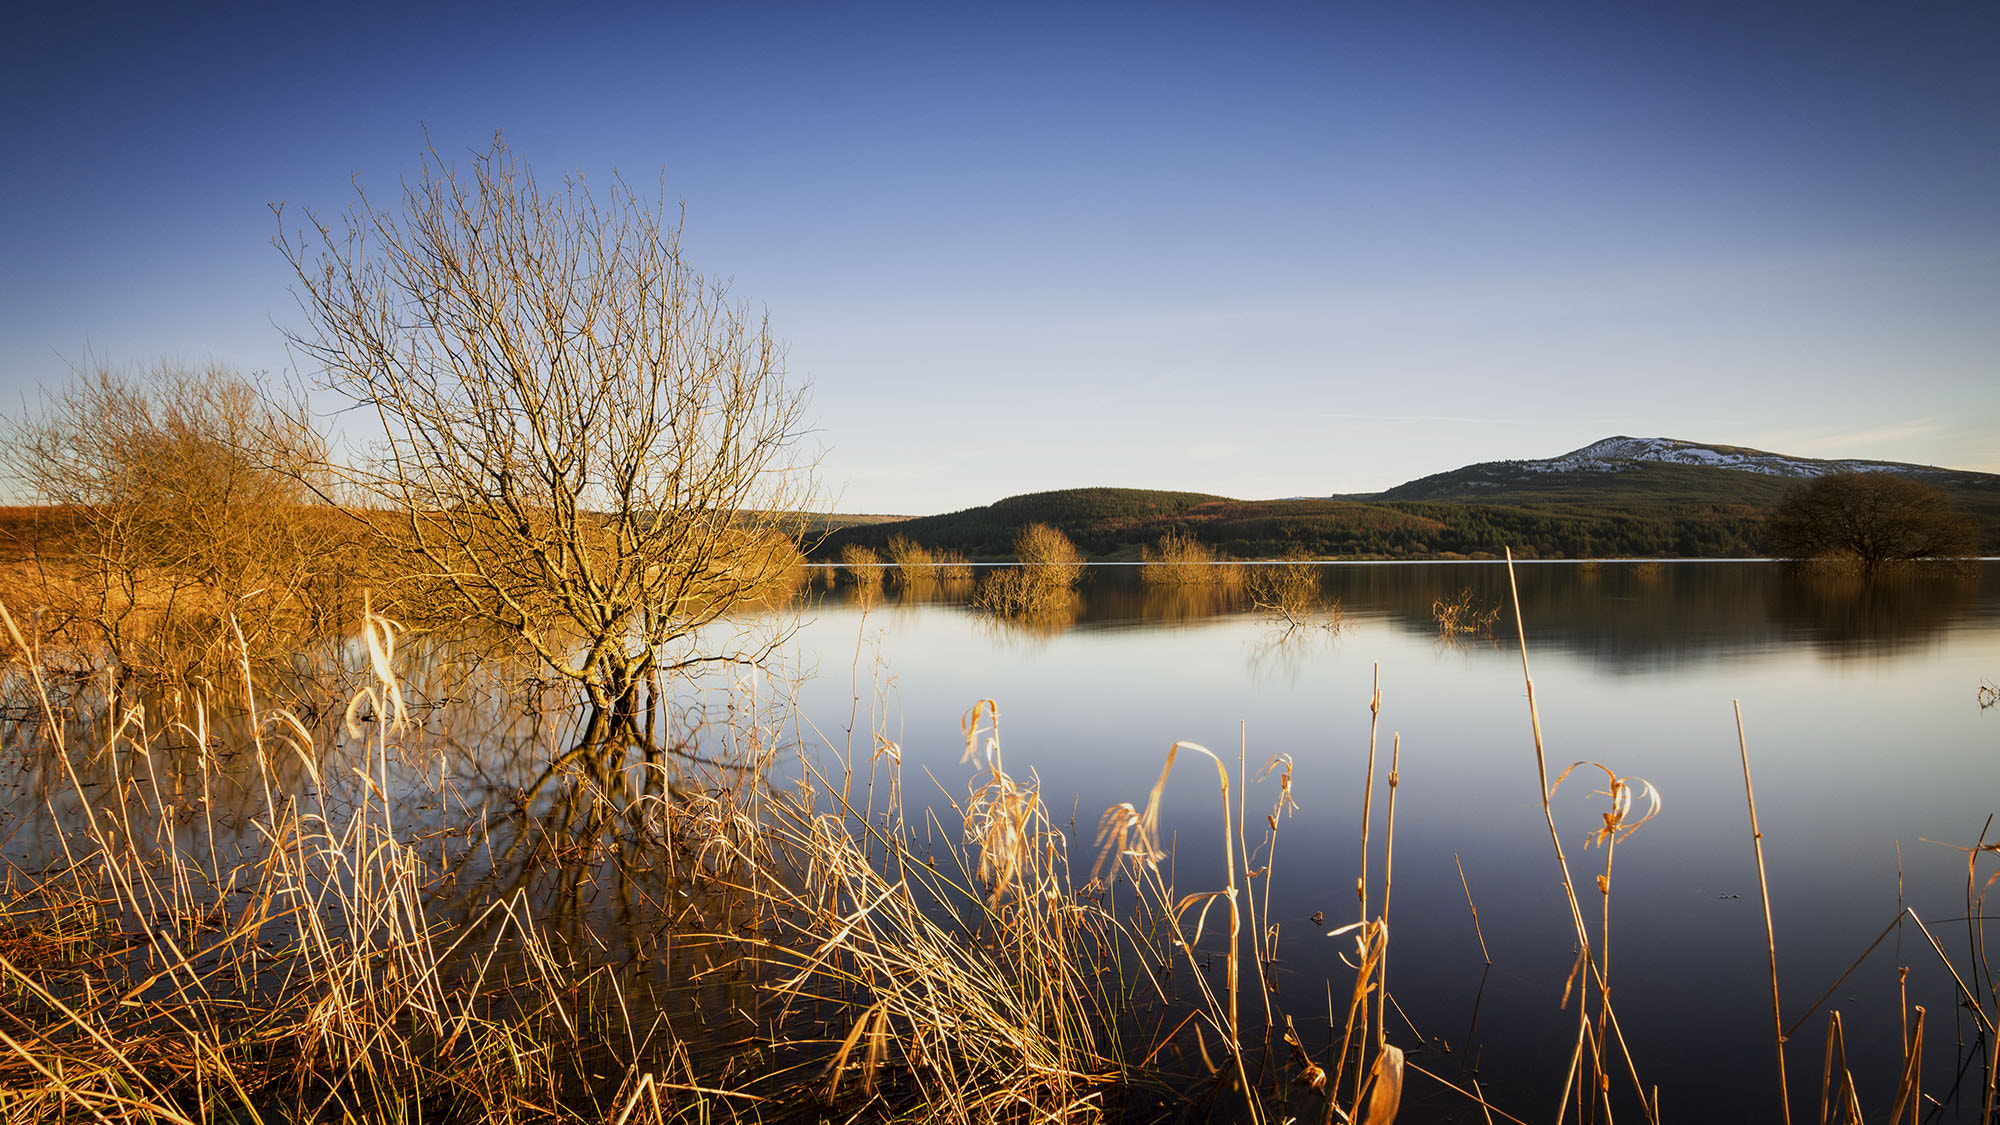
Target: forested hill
(1117,523)
(1102,522)
(1641,473)
(1618,497)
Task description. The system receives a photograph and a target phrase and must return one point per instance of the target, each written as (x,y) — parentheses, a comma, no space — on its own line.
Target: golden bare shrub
(586,445)
(1179,559)
(1050,568)
(1290,594)
(168,501)
(914,563)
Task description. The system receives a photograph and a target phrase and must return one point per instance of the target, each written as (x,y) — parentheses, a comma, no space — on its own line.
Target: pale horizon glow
(1298,251)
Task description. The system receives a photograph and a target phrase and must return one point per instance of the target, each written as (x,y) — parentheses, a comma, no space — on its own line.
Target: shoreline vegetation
(258,907)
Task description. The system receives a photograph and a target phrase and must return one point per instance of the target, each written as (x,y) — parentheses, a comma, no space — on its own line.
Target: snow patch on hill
(1614,454)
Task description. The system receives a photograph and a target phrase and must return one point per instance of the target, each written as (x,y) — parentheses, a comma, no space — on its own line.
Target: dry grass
(177,965)
(974,988)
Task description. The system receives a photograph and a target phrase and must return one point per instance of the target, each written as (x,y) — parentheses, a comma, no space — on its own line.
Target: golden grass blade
(847,1046)
(1388,882)
(1368,789)
(1385,1087)
(1907,1086)
(1971,998)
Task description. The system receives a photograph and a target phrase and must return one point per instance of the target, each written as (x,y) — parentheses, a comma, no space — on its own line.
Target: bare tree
(583,442)
(1871,519)
(169,500)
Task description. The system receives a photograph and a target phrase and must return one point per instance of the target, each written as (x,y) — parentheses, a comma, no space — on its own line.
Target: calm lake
(1865,730)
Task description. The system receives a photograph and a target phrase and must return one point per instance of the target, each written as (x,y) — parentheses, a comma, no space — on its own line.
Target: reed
(1770,931)
(298,974)
(1593,1082)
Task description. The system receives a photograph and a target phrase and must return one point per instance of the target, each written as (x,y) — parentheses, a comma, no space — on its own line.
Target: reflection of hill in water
(1632,616)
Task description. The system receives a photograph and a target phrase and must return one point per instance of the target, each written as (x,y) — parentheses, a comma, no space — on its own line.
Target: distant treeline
(1118,523)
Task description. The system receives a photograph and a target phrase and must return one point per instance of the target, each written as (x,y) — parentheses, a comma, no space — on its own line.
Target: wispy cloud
(1823,442)
(1405,419)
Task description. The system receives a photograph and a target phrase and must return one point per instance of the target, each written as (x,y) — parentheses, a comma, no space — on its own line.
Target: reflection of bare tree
(1464,642)
(1185,603)
(1292,597)
(1050,616)
(952,589)
(865,596)
(618,846)
(1282,653)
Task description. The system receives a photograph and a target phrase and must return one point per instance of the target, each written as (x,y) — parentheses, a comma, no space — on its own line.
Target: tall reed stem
(1770,933)
(1388,881)
(1585,964)
(1368,790)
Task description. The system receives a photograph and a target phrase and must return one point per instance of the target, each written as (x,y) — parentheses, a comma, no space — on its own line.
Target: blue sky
(1270,250)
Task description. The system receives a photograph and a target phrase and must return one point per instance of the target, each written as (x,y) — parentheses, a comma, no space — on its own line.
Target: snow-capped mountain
(1614,454)
(1627,471)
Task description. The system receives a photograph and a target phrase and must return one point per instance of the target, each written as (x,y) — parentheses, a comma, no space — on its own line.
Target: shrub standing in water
(914,563)
(1047,577)
(586,445)
(863,565)
(1182,560)
(1289,593)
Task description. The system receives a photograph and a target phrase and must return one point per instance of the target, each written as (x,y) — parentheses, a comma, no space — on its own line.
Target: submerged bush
(914,563)
(1179,559)
(1290,594)
(1046,578)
